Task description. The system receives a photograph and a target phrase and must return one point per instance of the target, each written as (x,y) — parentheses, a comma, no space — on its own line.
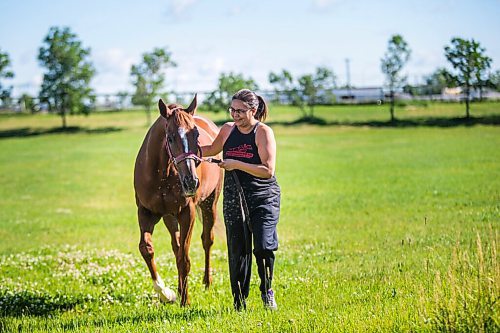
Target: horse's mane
(181,118)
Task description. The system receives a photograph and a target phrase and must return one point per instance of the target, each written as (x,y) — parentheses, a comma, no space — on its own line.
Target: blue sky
(254,38)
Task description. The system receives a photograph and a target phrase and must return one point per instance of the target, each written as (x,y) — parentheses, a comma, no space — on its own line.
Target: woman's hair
(252,100)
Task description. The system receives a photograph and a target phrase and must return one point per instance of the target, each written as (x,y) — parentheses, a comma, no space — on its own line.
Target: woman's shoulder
(227,126)
(264,134)
(263,129)
(225,130)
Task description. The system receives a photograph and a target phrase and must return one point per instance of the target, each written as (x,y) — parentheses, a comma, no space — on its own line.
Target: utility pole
(348,77)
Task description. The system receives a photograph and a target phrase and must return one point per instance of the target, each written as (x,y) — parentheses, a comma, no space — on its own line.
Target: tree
(316,89)
(284,87)
(396,56)
(122,99)
(27,103)
(228,85)
(494,80)
(7,74)
(470,63)
(437,81)
(66,83)
(308,91)
(148,78)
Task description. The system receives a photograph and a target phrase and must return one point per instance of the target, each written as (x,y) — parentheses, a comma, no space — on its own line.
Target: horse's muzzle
(189,185)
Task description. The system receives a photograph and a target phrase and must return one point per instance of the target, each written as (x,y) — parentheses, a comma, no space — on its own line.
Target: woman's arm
(266,145)
(217,145)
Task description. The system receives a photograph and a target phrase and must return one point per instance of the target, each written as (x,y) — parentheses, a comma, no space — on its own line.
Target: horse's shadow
(26,303)
(24,132)
(39,304)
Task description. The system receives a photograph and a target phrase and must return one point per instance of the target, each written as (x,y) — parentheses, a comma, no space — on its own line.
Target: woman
(251,195)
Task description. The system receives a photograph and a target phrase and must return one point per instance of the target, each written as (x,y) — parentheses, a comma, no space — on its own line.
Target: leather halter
(190,155)
(184,156)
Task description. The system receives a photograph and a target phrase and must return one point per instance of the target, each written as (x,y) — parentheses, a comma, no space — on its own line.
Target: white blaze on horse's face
(182,134)
(189,180)
(185,145)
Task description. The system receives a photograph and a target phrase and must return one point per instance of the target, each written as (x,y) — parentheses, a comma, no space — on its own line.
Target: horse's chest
(164,196)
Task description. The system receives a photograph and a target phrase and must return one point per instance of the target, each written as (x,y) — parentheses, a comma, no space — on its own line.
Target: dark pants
(264,211)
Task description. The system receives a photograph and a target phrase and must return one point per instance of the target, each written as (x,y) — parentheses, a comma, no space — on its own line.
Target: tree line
(68,71)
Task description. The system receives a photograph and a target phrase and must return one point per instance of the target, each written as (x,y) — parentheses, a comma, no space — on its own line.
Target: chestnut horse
(170,181)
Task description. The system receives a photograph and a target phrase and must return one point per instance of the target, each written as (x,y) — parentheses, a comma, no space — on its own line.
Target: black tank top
(242,147)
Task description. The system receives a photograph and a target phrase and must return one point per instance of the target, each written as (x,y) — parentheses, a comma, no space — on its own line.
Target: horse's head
(182,143)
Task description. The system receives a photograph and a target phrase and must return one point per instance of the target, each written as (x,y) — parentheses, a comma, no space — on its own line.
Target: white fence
(369,95)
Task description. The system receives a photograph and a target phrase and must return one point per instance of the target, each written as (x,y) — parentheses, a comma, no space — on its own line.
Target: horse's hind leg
(147,222)
(209,214)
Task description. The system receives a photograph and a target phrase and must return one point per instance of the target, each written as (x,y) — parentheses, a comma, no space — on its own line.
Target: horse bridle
(190,155)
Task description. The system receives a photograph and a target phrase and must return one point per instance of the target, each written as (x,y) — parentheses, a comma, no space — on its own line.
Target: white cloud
(28,56)
(423,62)
(178,7)
(213,67)
(36,80)
(30,86)
(113,60)
(426,59)
(324,4)
(235,10)
(113,70)
(195,75)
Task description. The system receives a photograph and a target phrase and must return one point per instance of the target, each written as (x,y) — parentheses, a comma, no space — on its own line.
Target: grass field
(384,227)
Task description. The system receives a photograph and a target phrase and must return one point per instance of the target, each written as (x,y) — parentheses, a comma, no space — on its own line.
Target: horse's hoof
(207,281)
(166,294)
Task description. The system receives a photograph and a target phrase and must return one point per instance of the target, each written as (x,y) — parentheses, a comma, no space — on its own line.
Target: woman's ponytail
(262,110)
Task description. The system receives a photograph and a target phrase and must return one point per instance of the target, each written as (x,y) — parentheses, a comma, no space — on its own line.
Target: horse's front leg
(147,222)
(173,228)
(209,214)
(186,222)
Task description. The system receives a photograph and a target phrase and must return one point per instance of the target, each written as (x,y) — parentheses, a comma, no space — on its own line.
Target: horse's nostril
(190,183)
(185,181)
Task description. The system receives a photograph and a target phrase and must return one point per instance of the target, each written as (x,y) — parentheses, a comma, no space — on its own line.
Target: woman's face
(241,113)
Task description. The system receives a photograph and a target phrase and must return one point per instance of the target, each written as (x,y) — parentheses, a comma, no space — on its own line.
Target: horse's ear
(164,109)
(192,107)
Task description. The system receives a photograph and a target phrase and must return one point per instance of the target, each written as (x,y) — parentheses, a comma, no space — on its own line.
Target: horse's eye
(169,139)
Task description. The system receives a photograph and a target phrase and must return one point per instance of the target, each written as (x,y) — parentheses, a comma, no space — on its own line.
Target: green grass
(384,227)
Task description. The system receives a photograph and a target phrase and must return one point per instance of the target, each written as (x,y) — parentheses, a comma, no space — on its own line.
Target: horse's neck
(157,154)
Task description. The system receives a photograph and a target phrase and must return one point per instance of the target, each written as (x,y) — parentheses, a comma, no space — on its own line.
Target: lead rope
(244,212)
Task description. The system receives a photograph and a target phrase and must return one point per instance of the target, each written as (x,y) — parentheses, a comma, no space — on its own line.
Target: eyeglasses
(238,111)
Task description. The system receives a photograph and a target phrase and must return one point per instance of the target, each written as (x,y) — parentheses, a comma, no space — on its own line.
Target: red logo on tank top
(240,151)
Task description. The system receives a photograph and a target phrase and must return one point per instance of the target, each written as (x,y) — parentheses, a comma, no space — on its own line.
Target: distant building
(457,94)
(359,95)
